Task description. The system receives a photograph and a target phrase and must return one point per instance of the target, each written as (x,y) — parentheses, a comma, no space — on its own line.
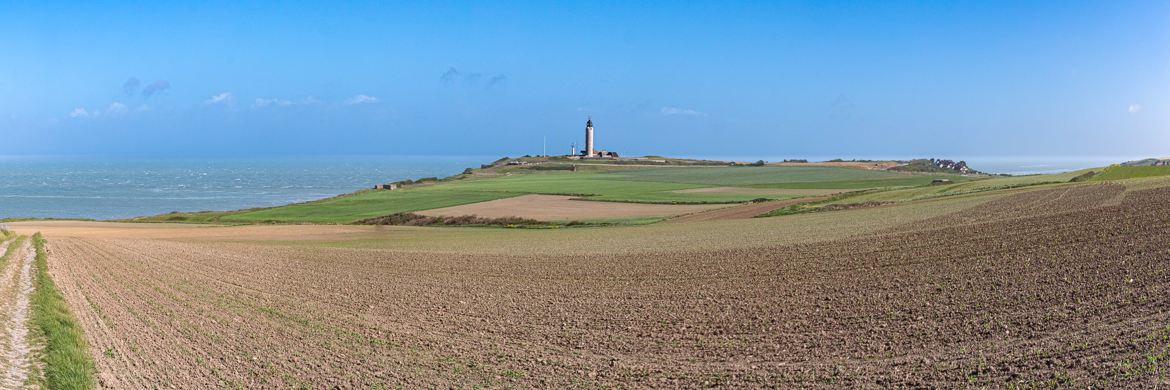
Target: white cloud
(361,99)
(79,112)
(260,102)
(221,98)
(117,109)
(1134,108)
(671,111)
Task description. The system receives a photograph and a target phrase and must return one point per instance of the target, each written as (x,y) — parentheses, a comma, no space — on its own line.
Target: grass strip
(67,363)
(11,249)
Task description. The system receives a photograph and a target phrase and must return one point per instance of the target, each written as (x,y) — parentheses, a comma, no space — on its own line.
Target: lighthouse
(589,139)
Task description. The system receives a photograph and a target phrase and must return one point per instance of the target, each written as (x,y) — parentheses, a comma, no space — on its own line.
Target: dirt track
(1076,295)
(15,289)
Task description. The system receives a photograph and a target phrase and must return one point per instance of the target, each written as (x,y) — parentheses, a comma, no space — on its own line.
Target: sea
(110,188)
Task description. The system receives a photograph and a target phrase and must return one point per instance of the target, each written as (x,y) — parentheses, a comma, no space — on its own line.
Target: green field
(1117,172)
(786,177)
(645,185)
(367,204)
(926,192)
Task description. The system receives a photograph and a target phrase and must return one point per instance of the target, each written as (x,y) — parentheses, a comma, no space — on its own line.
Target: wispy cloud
(156,88)
(221,98)
(114,109)
(79,112)
(361,99)
(1134,108)
(450,76)
(261,102)
(454,77)
(496,80)
(678,111)
(130,87)
(842,105)
(117,108)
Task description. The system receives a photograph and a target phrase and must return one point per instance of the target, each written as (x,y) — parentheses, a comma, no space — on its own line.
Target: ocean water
(107,188)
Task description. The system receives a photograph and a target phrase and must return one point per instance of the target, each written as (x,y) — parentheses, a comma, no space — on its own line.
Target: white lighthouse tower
(589,139)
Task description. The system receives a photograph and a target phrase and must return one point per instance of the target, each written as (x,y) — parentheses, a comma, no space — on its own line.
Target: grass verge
(66,360)
(11,249)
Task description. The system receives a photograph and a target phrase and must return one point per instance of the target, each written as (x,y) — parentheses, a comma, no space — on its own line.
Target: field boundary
(66,362)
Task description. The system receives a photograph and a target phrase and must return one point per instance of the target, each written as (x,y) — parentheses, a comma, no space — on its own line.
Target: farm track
(16,351)
(1067,286)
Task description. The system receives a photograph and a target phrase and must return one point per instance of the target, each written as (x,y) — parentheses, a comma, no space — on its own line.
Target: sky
(681,78)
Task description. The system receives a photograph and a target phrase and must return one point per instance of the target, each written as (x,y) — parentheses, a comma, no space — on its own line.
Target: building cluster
(590,151)
(960,166)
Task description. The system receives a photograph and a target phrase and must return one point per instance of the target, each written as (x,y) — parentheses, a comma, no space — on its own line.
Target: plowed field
(1067,286)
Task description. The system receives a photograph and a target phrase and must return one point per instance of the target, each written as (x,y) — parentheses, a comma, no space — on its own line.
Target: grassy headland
(653,180)
(677,184)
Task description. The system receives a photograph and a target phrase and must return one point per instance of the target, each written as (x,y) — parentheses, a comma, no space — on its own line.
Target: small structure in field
(387,186)
(936,182)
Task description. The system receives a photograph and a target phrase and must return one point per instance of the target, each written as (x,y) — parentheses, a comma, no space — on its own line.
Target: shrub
(412,219)
(1083,177)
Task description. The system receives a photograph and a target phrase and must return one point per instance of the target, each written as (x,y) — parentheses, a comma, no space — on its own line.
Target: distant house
(387,186)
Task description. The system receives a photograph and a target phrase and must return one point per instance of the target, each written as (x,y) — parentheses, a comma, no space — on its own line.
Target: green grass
(368,204)
(970,187)
(641,185)
(11,249)
(1117,172)
(786,177)
(603,186)
(66,359)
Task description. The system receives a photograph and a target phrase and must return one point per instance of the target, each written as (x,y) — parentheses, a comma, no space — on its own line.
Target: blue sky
(886,78)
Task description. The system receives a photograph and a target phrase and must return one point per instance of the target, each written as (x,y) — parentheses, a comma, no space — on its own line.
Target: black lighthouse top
(589,123)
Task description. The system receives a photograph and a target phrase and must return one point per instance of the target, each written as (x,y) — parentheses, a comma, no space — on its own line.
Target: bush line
(67,363)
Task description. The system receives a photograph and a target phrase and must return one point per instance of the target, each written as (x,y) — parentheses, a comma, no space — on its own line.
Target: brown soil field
(565,208)
(1066,286)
